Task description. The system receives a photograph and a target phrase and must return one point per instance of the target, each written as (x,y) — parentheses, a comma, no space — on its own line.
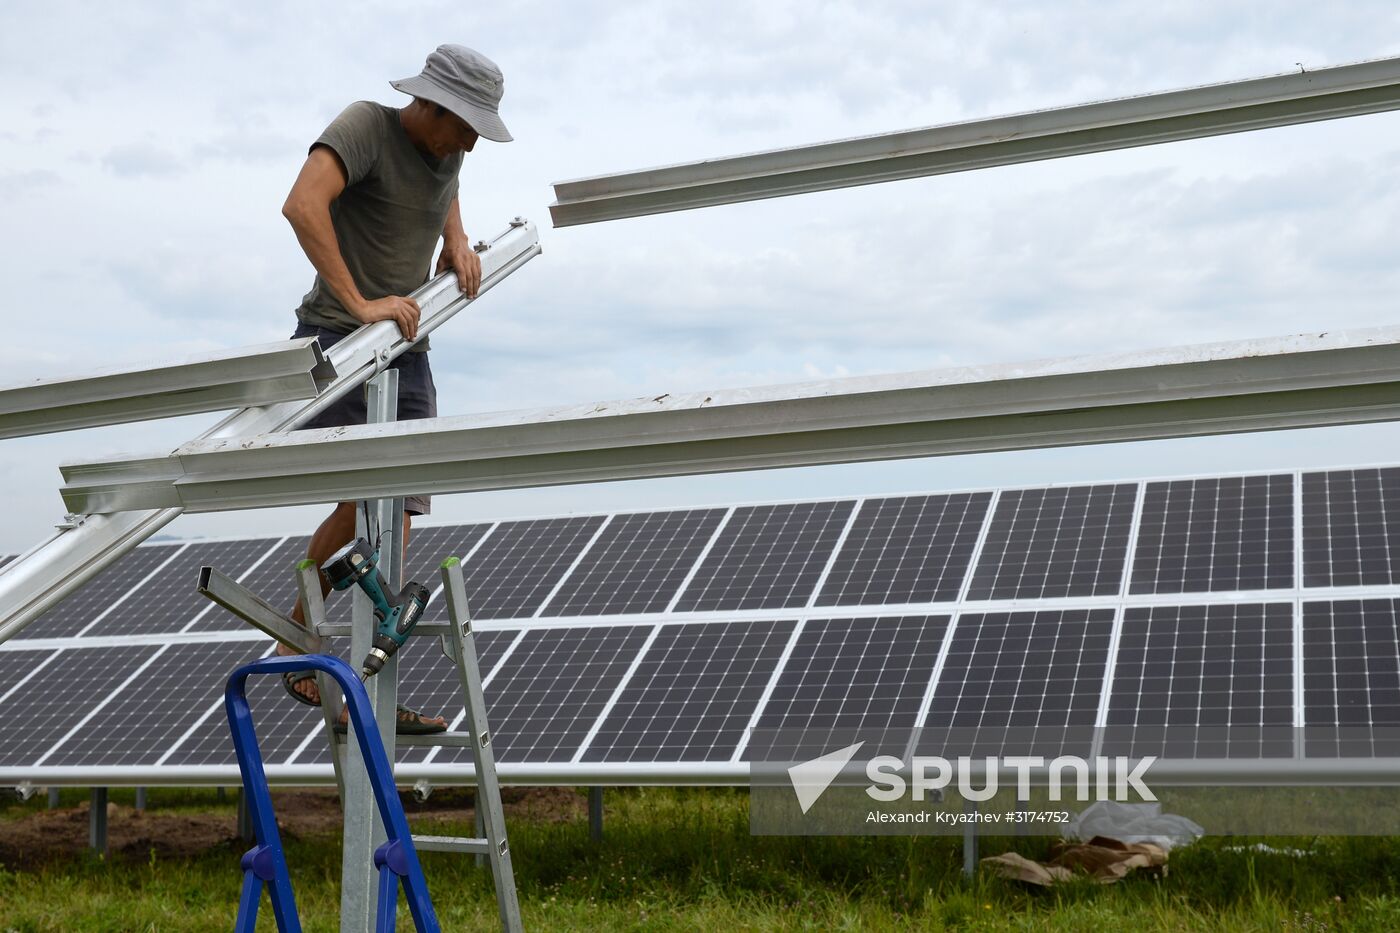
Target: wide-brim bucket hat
(465,82)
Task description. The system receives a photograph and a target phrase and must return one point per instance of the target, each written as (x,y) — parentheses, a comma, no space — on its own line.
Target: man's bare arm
(308,210)
(457,253)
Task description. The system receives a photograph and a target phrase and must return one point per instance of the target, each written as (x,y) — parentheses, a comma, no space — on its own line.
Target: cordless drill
(396,615)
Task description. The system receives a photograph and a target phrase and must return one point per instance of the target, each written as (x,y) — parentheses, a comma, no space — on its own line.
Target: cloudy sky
(145,150)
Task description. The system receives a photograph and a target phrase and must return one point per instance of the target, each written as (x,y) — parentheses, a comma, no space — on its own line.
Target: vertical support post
(364,830)
(53,798)
(220,795)
(595,814)
(245,818)
(969,841)
(97,822)
(140,800)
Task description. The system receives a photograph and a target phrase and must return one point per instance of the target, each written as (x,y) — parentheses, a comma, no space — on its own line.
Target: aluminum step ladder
(459,645)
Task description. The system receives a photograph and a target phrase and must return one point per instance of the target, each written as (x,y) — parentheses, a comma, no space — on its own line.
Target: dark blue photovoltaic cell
(1203,682)
(551,689)
(154,711)
(907,550)
(1351,678)
(693,694)
(861,678)
(637,564)
(280,722)
(429,547)
(520,563)
(169,602)
(767,557)
(1351,527)
(80,608)
(31,722)
(1021,683)
(1208,535)
(1063,541)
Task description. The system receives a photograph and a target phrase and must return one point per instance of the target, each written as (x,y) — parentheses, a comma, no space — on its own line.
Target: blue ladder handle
(266,863)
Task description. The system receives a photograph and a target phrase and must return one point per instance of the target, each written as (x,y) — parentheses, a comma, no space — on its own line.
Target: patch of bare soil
(52,835)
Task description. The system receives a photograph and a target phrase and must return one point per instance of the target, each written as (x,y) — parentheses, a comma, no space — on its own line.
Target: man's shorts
(417,399)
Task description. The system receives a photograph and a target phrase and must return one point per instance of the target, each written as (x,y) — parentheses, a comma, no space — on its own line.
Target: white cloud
(143,181)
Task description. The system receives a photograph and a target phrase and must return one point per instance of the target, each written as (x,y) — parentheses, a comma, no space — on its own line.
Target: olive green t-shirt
(390,215)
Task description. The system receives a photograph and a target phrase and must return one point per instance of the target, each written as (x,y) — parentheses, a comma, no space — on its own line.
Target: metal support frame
(249,376)
(53,798)
(1309,380)
(141,799)
(1192,113)
(1346,772)
(97,821)
(364,828)
(595,814)
(36,581)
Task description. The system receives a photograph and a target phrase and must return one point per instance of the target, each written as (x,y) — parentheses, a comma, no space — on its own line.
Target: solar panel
(428,681)
(1063,541)
(1351,527)
(767,557)
(38,714)
(1039,674)
(517,567)
(906,550)
(1351,678)
(637,564)
(152,713)
(693,694)
(1203,682)
(1205,535)
(1224,677)
(168,601)
(552,688)
(273,578)
(850,677)
(107,592)
(280,722)
(429,547)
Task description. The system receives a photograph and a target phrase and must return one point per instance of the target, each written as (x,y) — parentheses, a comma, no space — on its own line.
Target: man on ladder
(378,188)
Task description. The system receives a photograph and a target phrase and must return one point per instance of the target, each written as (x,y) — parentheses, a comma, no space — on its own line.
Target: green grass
(683,859)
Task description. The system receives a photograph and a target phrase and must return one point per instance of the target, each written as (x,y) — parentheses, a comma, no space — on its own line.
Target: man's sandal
(290,680)
(406,721)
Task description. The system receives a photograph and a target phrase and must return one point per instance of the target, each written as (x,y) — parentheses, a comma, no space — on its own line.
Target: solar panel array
(1239,609)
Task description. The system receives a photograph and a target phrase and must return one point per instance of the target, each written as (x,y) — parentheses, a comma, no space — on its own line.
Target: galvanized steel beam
(1261,772)
(1290,382)
(36,581)
(250,376)
(1209,110)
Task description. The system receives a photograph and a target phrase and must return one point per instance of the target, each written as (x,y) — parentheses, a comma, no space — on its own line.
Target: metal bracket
(256,611)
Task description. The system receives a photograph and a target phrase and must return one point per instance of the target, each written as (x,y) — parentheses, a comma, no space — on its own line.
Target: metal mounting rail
(241,378)
(1209,110)
(37,580)
(1258,385)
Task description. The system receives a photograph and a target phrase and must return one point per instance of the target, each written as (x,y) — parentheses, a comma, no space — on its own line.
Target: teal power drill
(358,563)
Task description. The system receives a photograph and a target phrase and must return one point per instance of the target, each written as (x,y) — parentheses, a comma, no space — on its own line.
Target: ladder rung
(422,628)
(446,739)
(453,844)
